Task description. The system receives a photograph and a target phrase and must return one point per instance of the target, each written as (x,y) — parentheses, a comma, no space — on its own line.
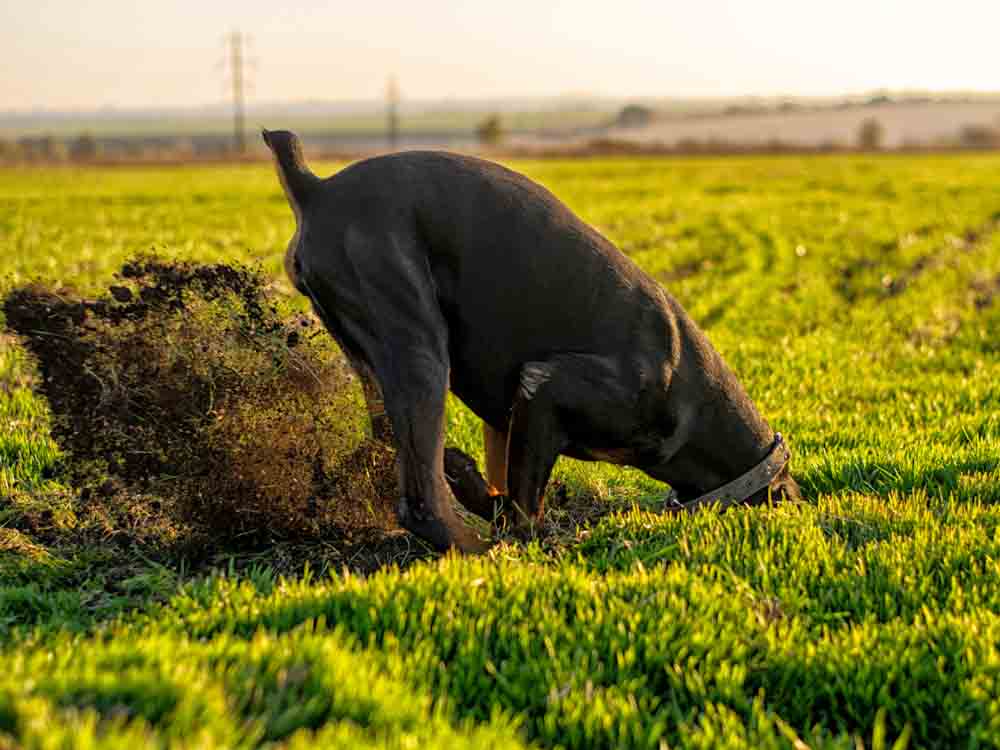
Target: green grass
(854,296)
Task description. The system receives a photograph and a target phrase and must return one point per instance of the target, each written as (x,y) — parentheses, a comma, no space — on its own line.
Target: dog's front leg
(534,442)
(587,392)
(484,497)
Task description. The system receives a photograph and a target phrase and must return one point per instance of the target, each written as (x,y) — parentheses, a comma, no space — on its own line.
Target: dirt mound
(185,400)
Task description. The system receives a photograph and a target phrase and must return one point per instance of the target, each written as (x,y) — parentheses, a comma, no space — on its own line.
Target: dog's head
(697,471)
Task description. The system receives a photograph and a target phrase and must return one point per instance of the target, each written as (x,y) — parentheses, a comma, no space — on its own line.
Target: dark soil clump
(985,290)
(195,415)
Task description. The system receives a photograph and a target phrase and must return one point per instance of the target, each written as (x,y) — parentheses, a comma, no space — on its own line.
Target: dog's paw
(442,530)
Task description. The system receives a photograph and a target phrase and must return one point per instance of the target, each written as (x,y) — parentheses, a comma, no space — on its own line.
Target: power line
(392,112)
(235,42)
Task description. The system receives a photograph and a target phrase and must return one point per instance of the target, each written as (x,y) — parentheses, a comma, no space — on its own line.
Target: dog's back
(517,274)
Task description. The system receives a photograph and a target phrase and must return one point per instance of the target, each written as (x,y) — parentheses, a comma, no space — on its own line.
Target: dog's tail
(298,181)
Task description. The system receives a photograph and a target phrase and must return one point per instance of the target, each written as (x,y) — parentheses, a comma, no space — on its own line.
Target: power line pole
(392,112)
(235,41)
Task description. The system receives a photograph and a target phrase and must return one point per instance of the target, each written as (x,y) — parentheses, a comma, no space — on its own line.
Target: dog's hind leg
(378,418)
(387,314)
(415,390)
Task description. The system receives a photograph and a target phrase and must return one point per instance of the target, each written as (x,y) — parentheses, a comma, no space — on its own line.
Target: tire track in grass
(889,284)
(969,242)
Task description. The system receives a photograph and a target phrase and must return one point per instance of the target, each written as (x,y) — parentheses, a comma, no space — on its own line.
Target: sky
(61,54)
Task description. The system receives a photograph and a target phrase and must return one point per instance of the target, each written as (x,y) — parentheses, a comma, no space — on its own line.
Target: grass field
(858,298)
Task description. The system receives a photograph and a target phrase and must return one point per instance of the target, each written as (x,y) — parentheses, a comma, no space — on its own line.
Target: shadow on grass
(75,586)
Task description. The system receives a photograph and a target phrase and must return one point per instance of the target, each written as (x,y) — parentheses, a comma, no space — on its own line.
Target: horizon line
(582,97)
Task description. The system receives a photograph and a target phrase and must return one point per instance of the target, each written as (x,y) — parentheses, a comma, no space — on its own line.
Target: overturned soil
(196,418)
(985,290)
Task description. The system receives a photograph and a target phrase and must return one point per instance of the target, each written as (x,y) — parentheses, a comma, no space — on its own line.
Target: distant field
(904,124)
(422,122)
(859,301)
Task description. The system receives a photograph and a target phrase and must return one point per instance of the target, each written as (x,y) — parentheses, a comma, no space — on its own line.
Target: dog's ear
(299,183)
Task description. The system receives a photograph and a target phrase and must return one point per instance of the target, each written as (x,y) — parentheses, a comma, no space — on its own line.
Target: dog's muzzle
(744,486)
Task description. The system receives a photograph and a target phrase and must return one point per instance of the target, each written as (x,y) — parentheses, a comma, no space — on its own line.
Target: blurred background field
(179,82)
(857,297)
(558,126)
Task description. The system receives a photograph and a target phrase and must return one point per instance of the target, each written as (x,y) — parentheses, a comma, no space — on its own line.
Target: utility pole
(235,42)
(392,112)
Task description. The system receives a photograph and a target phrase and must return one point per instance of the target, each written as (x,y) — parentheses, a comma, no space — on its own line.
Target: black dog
(434,270)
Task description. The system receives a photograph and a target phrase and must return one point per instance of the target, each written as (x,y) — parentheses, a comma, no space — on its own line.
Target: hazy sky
(129,53)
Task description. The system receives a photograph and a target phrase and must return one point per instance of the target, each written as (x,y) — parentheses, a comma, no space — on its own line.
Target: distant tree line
(491,133)
(50,149)
(88,148)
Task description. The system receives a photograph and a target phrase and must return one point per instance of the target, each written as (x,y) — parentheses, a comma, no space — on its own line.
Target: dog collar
(746,484)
